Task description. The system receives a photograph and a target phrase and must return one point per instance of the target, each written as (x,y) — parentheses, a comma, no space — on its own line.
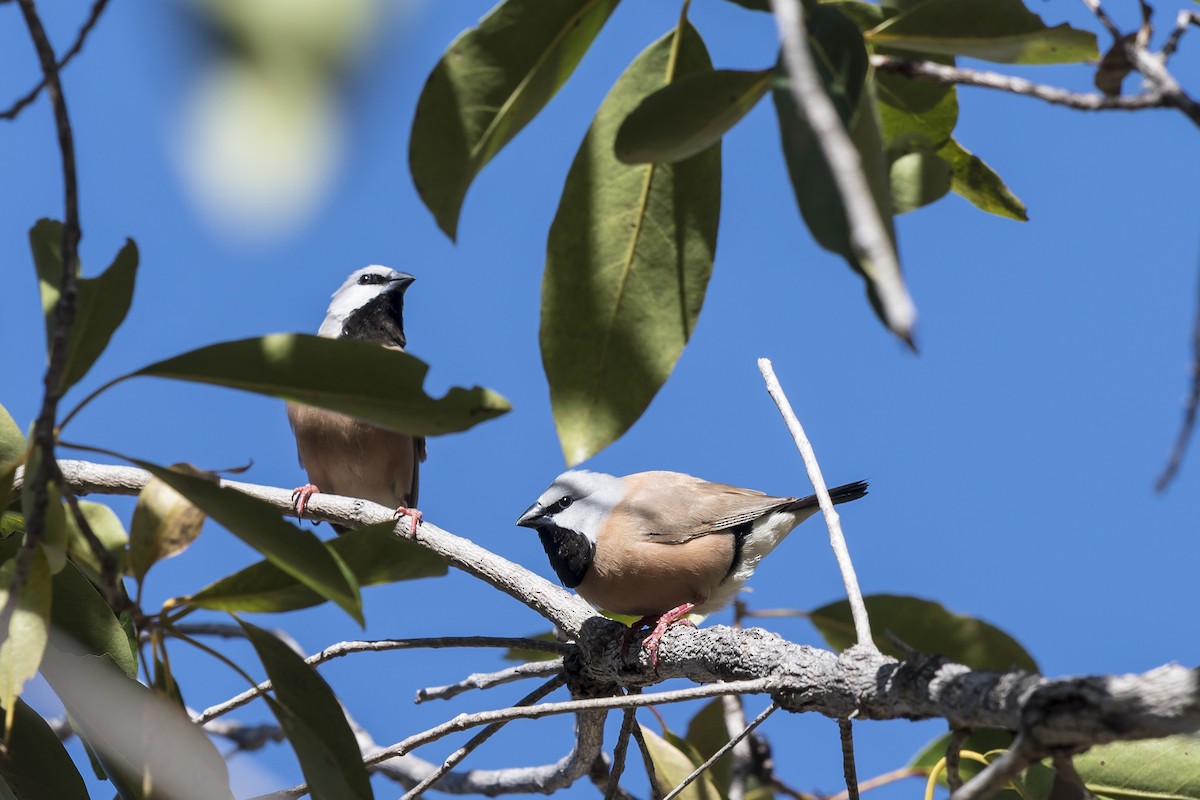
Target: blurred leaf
(101,302)
(865,15)
(1114,67)
(1154,769)
(708,733)
(492,80)
(12,454)
(518,654)
(313,720)
(164,524)
(373,554)
(918,178)
(139,738)
(975,181)
(361,379)
(754,5)
(993,30)
(927,627)
(36,766)
(108,529)
(689,115)
(12,535)
(165,683)
(628,260)
(24,642)
(672,764)
(54,534)
(83,622)
(981,741)
(908,106)
(294,550)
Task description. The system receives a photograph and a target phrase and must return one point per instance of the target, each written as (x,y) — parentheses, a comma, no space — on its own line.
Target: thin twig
(19,105)
(862,624)
(629,719)
(725,748)
(878,781)
(1175,460)
(741,761)
(114,591)
(1182,23)
(475,741)
(246,738)
(647,762)
(346,648)
(486,680)
(995,775)
(868,234)
(846,733)
(958,737)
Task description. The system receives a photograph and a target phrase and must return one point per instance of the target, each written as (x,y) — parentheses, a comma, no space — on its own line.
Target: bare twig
(862,624)
(958,738)
(846,733)
(1182,23)
(246,738)
(647,762)
(114,591)
(19,105)
(741,761)
(876,782)
(725,748)
(1175,460)
(486,680)
(628,721)
(475,741)
(868,234)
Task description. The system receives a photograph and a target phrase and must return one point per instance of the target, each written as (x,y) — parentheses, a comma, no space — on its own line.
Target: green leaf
(522,655)
(28,629)
(109,531)
(918,179)
(489,84)
(910,107)
(101,302)
(12,454)
(312,719)
(373,554)
(673,763)
(84,624)
(993,30)
(617,312)
(36,766)
(981,741)
(708,733)
(975,180)
(865,15)
(296,551)
(164,524)
(689,115)
(1154,769)
(361,379)
(927,627)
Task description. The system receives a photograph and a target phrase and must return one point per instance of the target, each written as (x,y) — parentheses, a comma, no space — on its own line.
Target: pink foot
(411,513)
(300,498)
(661,623)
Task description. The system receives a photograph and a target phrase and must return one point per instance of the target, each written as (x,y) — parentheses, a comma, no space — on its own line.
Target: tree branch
(486,680)
(21,102)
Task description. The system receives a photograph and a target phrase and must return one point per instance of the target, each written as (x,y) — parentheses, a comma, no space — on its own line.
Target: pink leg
(411,513)
(664,621)
(300,497)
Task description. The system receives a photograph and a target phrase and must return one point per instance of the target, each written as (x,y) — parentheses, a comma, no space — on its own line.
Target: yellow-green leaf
(108,529)
(361,379)
(980,185)
(164,524)
(672,765)
(12,454)
(490,83)
(1153,769)
(28,629)
(628,261)
(917,179)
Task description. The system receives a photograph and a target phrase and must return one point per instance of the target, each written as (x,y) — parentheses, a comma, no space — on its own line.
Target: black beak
(533,517)
(401,282)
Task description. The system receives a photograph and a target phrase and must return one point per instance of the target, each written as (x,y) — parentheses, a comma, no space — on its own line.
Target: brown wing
(673,508)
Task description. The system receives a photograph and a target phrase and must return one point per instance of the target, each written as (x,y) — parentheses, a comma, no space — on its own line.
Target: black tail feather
(838,494)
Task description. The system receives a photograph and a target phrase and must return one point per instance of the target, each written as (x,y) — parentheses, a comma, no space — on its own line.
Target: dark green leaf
(673,761)
(865,15)
(36,766)
(689,115)
(707,732)
(101,302)
(490,83)
(975,180)
(22,645)
(617,312)
(103,522)
(12,454)
(1154,769)
(294,550)
(993,30)
(909,107)
(918,178)
(313,720)
(374,555)
(164,524)
(927,627)
(84,624)
(361,379)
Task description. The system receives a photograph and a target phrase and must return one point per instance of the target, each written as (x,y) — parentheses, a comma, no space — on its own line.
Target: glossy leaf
(164,524)
(373,554)
(101,302)
(689,115)
(927,627)
(361,379)
(617,312)
(917,179)
(108,529)
(489,84)
(12,454)
(672,764)
(37,766)
(294,550)
(84,624)
(993,30)
(975,181)
(22,645)
(312,719)
(1153,769)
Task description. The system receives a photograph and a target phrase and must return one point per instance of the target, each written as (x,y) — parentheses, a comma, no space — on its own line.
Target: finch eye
(564,504)
(369,278)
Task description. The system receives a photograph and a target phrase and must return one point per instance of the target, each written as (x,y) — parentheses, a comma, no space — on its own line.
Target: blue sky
(1011,462)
